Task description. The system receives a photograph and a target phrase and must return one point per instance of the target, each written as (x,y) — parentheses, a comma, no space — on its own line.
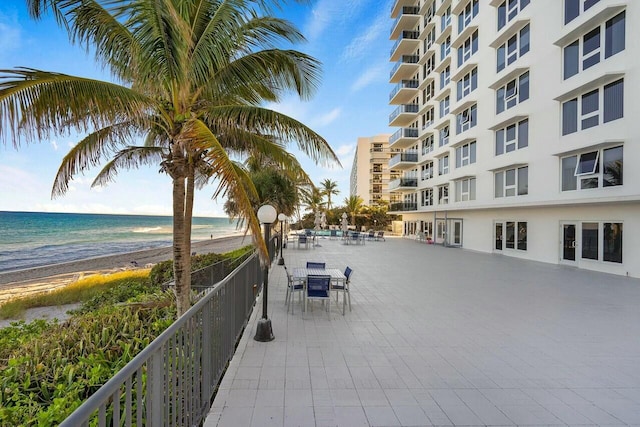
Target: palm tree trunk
(181,245)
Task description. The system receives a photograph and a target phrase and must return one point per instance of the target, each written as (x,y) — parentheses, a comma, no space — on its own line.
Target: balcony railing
(402,206)
(403,183)
(405,35)
(405,84)
(406,10)
(403,133)
(407,108)
(403,157)
(406,59)
(175,377)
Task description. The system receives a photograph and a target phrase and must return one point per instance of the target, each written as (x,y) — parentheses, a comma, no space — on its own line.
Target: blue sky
(350,38)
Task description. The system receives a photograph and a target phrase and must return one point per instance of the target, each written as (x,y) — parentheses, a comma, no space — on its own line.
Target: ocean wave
(151,230)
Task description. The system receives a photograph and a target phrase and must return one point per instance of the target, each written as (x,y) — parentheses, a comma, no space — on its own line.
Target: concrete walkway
(441,336)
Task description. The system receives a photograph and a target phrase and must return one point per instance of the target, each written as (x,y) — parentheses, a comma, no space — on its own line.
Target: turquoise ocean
(31,239)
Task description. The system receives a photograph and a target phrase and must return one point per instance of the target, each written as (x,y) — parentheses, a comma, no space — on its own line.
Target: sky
(349,37)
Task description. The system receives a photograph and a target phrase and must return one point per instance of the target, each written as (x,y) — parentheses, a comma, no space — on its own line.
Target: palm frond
(128,158)
(35,104)
(230,176)
(260,120)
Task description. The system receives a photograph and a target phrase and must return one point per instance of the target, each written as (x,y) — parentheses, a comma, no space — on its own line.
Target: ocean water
(31,239)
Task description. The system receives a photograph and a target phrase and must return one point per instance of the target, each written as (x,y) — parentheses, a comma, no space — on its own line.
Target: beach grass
(75,292)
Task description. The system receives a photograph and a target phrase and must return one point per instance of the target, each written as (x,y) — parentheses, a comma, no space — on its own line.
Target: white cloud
(371,75)
(54,144)
(327,118)
(327,12)
(367,42)
(10,33)
(345,150)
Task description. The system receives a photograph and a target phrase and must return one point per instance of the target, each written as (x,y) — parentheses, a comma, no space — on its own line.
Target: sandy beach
(46,278)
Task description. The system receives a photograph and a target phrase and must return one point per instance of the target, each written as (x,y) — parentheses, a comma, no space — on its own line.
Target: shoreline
(48,277)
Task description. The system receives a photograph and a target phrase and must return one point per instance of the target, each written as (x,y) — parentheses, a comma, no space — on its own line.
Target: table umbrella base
(264,333)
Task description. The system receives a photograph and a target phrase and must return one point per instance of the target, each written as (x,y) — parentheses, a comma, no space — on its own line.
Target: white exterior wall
(546,205)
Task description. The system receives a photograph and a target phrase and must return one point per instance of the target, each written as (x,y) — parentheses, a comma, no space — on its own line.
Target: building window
(593,169)
(427,118)
(514,48)
(513,93)
(609,233)
(511,235)
(466,16)
(465,189)
(573,8)
(430,39)
(612,242)
(467,84)
(508,10)
(445,48)
(589,109)
(587,51)
(427,93)
(443,165)
(429,65)
(427,197)
(466,154)
(445,77)
(427,145)
(512,182)
(426,171)
(513,137)
(444,106)
(444,136)
(468,48)
(466,119)
(443,195)
(445,20)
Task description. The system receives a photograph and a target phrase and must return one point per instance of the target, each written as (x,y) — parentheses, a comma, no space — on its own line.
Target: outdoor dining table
(336,274)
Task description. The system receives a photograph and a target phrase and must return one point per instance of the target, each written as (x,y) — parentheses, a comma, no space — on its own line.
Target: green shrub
(49,375)
(162,272)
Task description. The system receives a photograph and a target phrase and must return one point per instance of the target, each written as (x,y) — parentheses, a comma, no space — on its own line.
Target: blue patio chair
(372,235)
(355,237)
(292,286)
(380,236)
(311,264)
(303,240)
(318,288)
(333,234)
(344,288)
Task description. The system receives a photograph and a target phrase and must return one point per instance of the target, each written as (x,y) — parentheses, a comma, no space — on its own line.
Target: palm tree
(329,188)
(312,198)
(193,75)
(353,205)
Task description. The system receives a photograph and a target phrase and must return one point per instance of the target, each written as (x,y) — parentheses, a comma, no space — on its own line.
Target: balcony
(403,138)
(404,92)
(405,68)
(403,184)
(403,115)
(402,206)
(406,44)
(407,19)
(403,160)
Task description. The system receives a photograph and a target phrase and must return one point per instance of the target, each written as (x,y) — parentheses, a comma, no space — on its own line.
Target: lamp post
(282,218)
(264,332)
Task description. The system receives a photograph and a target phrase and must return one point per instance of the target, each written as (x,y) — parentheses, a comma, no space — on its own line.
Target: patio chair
(333,235)
(355,237)
(292,286)
(303,240)
(372,235)
(344,288)
(380,236)
(318,288)
(311,264)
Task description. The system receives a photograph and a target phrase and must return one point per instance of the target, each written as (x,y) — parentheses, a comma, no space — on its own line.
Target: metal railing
(173,380)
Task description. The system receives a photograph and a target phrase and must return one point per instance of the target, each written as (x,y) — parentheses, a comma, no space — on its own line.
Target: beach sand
(49,277)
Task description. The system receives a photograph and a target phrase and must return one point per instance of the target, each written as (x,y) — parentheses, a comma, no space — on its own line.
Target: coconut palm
(353,205)
(329,188)
(192,76)
(312,198)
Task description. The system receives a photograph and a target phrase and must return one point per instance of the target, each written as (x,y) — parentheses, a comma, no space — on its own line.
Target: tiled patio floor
(441,336)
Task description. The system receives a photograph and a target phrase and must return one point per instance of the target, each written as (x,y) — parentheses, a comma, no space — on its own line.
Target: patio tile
(521,343)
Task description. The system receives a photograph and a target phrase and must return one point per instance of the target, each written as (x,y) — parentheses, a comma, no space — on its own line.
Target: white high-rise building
(521,115)
(370,170)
